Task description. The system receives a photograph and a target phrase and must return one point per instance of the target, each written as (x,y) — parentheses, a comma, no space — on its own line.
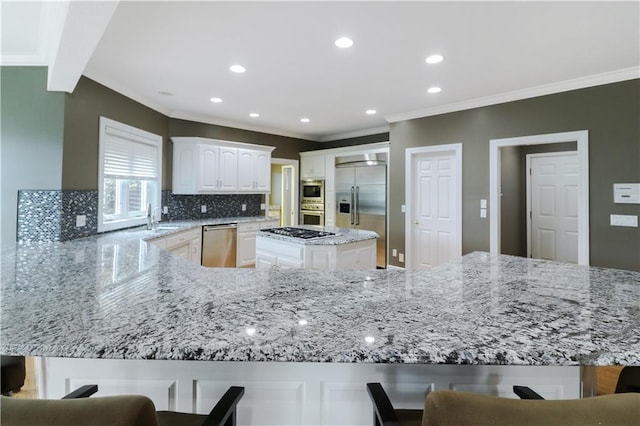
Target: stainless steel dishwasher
(219,245)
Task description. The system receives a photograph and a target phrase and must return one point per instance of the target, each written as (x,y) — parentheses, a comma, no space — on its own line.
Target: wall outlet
(394,252)
(165,210)
(263,206)
(403,209)
(624,220)
(244,207)
(81,220)
(401,258)
(483,213)
(203,208)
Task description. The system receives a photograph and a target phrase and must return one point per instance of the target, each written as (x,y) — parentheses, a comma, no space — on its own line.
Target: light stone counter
(121,313)
(115,296)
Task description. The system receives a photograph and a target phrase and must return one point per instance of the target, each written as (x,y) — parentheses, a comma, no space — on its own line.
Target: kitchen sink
(166,228)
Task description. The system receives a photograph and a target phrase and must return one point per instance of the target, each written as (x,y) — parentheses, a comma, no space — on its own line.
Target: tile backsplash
(51,215)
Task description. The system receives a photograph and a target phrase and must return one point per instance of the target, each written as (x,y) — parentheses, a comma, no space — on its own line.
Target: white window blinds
(130,175)
(126,157)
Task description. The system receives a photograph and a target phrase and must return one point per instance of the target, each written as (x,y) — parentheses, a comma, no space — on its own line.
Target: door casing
(410,154)
(581,137)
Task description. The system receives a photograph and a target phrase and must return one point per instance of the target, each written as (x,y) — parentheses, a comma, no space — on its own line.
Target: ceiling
(175,56)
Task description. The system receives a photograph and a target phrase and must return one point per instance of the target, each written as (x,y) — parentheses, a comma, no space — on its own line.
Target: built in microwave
(312,192)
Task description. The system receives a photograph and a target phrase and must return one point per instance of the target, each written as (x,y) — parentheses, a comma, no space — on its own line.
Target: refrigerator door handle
(352,206)
(357,205)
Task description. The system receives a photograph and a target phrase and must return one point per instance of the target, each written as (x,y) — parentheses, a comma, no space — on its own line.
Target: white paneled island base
(348,249)
(297,393)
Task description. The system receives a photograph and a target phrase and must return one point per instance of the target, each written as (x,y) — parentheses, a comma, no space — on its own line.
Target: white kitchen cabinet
(209,166)
(218,169)
(254,170)
(246,246)
(312,166)
(187,244)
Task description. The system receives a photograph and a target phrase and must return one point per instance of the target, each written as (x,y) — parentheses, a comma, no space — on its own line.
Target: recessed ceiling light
(371,111)
(215,100)
(165,93)
(254,115)
(237,68)
(344,42)
(434,89)
(434,59)
(304,120)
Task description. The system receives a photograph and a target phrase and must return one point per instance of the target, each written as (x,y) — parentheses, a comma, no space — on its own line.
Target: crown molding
(532,92)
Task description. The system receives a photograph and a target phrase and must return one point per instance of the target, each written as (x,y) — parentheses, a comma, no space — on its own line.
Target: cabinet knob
(417,222)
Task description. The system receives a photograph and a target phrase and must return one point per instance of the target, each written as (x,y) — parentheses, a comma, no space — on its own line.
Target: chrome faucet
(149,218)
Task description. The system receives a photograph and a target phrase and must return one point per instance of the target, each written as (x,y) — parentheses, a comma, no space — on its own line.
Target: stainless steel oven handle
(352,206)
(357,205)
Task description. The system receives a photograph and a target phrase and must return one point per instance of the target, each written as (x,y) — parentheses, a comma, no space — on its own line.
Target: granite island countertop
(342,236)
(115,296)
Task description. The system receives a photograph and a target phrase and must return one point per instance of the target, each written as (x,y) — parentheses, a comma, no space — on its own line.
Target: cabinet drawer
(180,238)
(248,226)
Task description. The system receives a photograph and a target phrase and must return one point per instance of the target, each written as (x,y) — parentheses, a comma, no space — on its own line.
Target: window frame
(111,127)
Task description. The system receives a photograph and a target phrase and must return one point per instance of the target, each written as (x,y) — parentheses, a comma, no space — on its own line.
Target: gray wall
(286,147)
(83,109)
(31,148)
(513,222)
(610,113)
(360,140)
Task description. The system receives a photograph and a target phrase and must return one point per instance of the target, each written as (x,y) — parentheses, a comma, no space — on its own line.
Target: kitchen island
(134,318)
(316,247)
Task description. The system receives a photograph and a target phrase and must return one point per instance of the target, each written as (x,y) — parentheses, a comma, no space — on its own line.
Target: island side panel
(299,393)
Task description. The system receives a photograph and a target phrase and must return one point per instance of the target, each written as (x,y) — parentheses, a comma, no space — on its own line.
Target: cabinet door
(228,166)
(246,170)
(265,260)
(263,171)
(246,254)
(181,250)
(208,179)
(195,248)
(312,166)
(185,166)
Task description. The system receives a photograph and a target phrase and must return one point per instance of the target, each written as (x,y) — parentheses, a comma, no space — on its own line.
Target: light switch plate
(483,203)
(81,220)
(165,210)
(483,213)
(624,220)
(403,208)
(203,208)
(244,207)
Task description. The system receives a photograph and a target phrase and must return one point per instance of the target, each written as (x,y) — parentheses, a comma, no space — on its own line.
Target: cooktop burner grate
(305,234)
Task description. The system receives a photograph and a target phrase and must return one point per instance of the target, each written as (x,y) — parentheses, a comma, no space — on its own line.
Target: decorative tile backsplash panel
(51,215)
(39,215)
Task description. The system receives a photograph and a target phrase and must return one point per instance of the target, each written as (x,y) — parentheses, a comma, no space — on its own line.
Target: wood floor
(606,379)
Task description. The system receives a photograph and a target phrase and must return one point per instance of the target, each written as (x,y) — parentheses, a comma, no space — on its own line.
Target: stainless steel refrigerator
(361,197)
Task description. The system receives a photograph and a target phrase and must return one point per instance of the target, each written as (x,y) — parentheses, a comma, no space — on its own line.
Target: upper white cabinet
(205,166)
(218,168)
(254,170)
(312,166)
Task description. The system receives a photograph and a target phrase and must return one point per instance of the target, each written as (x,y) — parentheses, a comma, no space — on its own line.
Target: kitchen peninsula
(134,318)
(315,247)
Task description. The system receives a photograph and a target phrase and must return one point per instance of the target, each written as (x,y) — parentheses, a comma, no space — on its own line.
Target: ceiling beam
(83,26)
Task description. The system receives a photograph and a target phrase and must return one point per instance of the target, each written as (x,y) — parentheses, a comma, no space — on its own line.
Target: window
(130,175)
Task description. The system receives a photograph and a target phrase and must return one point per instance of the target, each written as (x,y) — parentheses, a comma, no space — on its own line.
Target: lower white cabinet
(246,247)
(357,255)
(298,393)
(187,244)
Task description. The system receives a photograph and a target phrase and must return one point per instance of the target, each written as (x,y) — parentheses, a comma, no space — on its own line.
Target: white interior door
(435,211)
(552,200)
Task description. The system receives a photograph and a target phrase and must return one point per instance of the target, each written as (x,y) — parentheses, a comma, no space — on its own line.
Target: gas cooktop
(305,234)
